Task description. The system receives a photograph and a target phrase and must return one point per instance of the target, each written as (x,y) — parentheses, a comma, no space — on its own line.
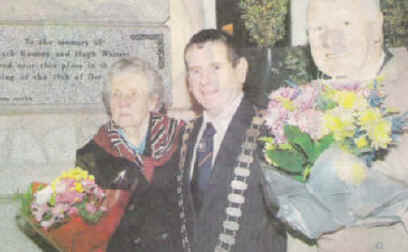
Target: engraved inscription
(68,65)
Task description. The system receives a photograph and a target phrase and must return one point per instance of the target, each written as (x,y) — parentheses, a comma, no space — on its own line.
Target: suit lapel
(190,148)
(190,211)
(234,136)
(227,156)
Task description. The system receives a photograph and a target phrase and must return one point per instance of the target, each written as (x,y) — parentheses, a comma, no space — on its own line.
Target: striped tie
(202,169)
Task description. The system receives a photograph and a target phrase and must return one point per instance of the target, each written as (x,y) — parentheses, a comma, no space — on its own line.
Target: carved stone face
(346,37)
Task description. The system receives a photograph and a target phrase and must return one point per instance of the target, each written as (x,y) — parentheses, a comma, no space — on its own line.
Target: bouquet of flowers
(72,212)
(323,140)
(73,193)
(304,121)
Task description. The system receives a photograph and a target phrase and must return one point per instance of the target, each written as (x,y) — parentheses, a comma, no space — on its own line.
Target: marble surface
(68,64)
(152,11)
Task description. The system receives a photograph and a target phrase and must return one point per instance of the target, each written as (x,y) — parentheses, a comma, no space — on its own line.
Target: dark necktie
(202,169)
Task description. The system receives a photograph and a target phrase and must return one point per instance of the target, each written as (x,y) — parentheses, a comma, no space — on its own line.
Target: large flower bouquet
(73,213)
(323,140)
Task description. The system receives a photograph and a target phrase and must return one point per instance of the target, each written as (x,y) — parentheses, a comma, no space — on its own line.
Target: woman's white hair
(137,66)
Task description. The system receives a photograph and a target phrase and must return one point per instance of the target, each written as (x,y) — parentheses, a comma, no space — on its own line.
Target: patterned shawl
(161,143)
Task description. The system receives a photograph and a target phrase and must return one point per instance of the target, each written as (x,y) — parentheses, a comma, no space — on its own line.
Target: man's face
(212,79)
(341,36)
(130,100)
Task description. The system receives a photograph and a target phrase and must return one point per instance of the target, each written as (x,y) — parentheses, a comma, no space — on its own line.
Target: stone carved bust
(346,37)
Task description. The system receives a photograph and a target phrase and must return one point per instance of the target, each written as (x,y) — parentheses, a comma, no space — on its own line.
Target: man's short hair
(213,35)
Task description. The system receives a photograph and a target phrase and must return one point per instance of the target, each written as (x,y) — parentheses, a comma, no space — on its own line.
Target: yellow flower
(76,173)
(346,99)
(54,183)
(64,174)
(380,134)
(369,117)
(361,103)
(340,124)
(361,142)
(287,104)
(78,187)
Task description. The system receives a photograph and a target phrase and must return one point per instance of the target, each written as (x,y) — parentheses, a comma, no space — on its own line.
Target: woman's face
(130,100)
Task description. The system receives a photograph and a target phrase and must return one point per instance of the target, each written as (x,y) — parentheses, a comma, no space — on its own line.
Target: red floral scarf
(162,140)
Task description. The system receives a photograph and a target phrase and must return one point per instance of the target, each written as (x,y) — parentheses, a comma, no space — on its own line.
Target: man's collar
(226,112)
(222,120)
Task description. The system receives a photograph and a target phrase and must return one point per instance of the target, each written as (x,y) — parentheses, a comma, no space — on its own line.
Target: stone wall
(54,58)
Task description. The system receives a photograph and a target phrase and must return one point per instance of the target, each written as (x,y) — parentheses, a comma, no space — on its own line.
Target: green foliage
(324,103)
(265,20)
(292,64)
(91,218)
(395,22)
(26,199)
(288,160)
(300,157)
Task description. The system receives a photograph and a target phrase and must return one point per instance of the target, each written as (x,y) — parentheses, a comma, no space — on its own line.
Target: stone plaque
(68,64)
(133,11)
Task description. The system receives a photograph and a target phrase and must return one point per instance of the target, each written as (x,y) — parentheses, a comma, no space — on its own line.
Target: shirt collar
(222,120)
(139,149)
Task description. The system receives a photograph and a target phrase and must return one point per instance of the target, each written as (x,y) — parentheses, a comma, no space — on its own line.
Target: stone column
(298,24)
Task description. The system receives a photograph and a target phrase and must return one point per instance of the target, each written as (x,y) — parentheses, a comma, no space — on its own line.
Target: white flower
(60,187)
(43,196)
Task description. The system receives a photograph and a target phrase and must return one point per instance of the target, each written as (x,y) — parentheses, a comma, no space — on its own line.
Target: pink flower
(278,132)
(70,197)
(73,211)
(99,193)
(59,210)
(285,92)
(59,199)
(90,208)
(311,121)
(306,98)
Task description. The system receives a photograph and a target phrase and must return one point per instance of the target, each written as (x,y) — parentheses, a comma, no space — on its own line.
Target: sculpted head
(346,37)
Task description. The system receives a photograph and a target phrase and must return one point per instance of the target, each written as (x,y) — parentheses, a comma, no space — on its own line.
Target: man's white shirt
(220,123)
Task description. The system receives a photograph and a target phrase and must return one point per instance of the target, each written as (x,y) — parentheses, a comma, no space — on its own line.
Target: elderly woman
(135,151)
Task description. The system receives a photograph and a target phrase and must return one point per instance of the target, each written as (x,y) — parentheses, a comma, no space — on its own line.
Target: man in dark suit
(220,181)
